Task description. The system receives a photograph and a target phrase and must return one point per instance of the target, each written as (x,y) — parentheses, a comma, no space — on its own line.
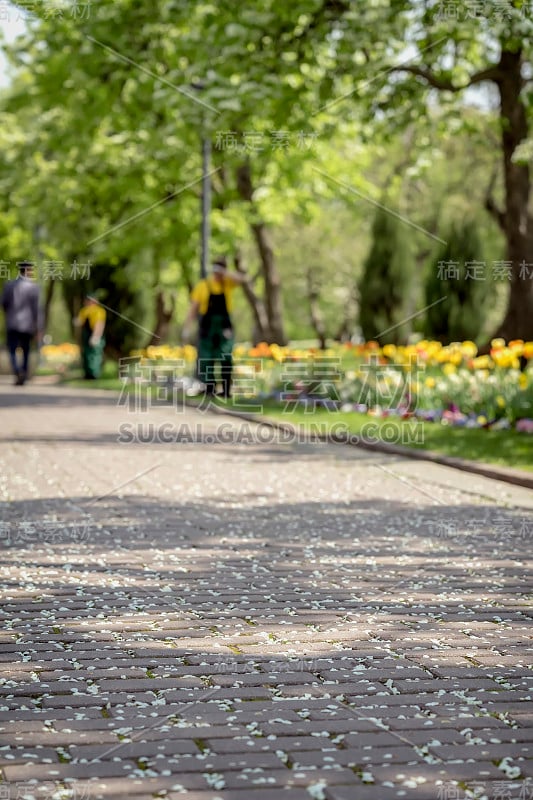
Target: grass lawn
(504,448)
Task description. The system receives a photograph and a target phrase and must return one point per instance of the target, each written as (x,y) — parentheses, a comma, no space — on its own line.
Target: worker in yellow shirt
(92,319)
(211,304)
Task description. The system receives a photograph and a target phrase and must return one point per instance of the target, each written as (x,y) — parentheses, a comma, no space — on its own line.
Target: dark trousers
(16,339)
(215,346)
(92,355)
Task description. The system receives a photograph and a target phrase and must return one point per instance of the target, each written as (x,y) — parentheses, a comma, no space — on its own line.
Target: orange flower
(264,349)
(528,350)
(516,346)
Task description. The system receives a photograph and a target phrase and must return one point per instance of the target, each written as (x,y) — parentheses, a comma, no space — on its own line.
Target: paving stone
(369,792)
(352,757)
(244,794)
(237,611)
(289,779)
(486,751)
(463,771)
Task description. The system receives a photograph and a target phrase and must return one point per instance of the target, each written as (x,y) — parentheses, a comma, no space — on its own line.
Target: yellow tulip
(482,362)
(469,349)
(505,358)
(189,352)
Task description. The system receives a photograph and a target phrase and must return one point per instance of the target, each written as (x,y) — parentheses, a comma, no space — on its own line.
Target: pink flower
(524,426)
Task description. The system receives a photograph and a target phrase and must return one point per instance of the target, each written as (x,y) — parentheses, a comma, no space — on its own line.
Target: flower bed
(447,384)
(428,381)
(59,357)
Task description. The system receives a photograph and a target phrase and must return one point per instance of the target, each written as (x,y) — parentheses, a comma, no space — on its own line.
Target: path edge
(505,474)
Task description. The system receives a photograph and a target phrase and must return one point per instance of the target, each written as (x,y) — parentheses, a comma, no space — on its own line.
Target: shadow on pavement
(367,648)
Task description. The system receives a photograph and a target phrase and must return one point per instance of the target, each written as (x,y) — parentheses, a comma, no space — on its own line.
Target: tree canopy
(316,110)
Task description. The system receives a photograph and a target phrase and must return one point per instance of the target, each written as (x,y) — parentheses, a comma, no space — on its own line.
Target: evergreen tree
(385,286)
(456,287)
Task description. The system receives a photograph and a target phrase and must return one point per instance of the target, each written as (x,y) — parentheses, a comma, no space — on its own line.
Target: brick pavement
(253,619)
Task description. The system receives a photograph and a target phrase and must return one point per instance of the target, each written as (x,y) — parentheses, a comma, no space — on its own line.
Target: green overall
(215,344)
(91,354)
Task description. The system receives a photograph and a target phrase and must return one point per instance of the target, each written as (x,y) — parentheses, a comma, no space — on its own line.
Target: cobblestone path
(238,617)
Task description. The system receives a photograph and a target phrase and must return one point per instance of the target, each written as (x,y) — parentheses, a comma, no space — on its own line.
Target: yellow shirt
(93,314)
(200,293)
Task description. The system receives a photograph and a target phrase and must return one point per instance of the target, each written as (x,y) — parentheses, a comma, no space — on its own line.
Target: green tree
(456,288)
(413,57)
(386,284)
(120,127)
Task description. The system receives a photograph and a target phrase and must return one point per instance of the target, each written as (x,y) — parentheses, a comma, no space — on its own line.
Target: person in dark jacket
(21,301)
(211,304)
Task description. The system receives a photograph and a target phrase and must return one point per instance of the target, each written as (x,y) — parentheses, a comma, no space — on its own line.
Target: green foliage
(386,285)
(101,134)
(331,246)
(457,287)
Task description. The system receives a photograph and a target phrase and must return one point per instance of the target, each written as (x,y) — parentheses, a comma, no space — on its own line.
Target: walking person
(212,304)
(21,301)
(91,320)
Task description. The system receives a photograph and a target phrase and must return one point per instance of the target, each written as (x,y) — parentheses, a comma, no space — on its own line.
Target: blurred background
(355,150)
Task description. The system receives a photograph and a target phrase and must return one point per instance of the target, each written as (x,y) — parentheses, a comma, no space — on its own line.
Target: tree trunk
(164,311)
(515,220)
(343,332)
(346,327)
(261,327)
(317,320)
(48,303)
(163,317)
(273,304)
(272,284)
